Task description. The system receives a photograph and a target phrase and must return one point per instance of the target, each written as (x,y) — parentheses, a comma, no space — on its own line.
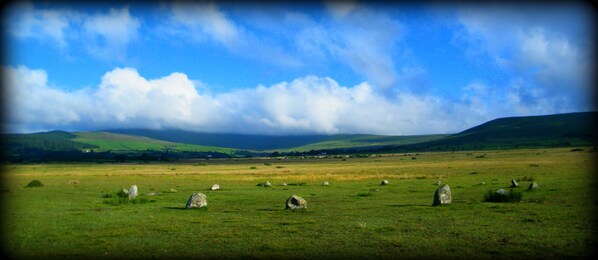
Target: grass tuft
(365,194)
(34,183)
(511,196)
(120,198)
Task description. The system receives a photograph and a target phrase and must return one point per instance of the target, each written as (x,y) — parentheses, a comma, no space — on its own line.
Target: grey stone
(325,183)
(267,184)
(438,183)
(502,192)
(215,187)
(197,200)
(442,195)
(533,185)
(296,202)
(283,184)
(133,192)
(514,184)
(384,182)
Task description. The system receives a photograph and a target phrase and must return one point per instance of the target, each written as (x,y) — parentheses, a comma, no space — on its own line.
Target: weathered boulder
(442,195)
(215,187)
(384,182)
(438,183)
(197,200)
(296,202)
(514,184)
(533,185)
(133,192)
(502,192)
(325,183)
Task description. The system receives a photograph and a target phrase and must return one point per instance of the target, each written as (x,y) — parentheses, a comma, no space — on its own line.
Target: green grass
(117,142)
(355,217)
(351,141)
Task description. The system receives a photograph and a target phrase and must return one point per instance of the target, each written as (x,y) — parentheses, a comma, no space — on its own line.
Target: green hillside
(353,141)
(559,130)
(104,141)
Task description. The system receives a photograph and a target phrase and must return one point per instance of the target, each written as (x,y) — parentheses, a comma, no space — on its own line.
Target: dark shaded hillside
(560,130)
(53,140)
(237,141)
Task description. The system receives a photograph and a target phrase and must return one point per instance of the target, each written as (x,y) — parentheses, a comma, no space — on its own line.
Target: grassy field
(354,216)
(117,142)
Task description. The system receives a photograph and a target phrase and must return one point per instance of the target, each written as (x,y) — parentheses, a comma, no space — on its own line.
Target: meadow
(70,216)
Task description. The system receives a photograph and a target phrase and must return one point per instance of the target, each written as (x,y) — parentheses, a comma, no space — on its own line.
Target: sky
(292,69)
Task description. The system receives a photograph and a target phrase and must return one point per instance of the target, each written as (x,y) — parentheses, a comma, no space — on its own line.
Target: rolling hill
(559,130)
(276,143)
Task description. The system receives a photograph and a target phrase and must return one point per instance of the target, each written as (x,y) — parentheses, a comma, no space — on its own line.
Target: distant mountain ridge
(559,130)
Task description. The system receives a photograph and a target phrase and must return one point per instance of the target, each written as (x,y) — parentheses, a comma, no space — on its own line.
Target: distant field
(117,142)
(353,217)
(353,141)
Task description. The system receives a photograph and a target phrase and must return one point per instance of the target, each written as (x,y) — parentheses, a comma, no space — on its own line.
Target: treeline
(54,141)
(41,156)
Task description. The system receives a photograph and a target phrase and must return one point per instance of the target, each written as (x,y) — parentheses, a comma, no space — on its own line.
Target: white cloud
(32,103)
(360,37)
(110,33)
(306,105)
(25,21)
(544,49)
(200,22)
(105,36)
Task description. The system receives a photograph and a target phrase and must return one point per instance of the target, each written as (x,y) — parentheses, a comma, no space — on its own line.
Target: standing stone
(442,195)
(133,192)
(215,187)
(325,183)
(514,184)
(384,182)
(296,202)
(533,185)
(502,192)
(197,200)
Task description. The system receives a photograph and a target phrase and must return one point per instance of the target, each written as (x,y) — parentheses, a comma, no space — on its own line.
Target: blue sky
(319,68)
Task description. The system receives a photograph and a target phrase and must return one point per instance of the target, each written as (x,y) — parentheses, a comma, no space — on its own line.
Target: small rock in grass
(215,187)
(438,183)
(514,184)
(502,192)
(283,184)
(384,182)
(533,185)
(197,200)
(325,183)
(133,192)
(296,202)
(442,195)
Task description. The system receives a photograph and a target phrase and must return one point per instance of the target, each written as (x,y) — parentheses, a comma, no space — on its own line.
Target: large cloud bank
(307,105)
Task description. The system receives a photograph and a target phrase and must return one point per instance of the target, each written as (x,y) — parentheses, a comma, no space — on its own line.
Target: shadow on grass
(269,209)
(184,208)
(409,205)
(176,208)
